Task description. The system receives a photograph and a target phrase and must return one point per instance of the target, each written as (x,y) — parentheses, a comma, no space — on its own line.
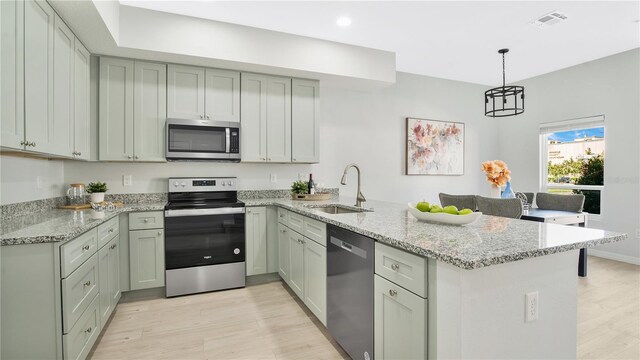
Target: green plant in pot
(97,190)
(299,187)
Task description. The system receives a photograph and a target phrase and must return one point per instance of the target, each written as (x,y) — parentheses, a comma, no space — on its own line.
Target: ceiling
(455,40)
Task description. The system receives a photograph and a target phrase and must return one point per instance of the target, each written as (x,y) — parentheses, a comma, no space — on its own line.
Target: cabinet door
(256,240)
(253,127)
(81,78)
(114,271)
(400,322)
(222,102)
(104,280)
(150,111)
(63,92)
(315,279)
(38,75)
(12,74)
(296,263)
(146,258)
(283,252)
(116,109)
(185,92)
(279,119)
(305,121)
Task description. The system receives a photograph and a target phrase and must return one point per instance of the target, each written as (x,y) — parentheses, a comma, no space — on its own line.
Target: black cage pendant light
(504,100)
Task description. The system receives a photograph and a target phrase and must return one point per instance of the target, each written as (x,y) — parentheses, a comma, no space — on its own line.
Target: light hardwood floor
(268,322)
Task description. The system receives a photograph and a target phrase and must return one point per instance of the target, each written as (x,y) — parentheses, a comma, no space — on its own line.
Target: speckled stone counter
(490,241)
(60,225)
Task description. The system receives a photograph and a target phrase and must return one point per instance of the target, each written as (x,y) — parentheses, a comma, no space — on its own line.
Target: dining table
(562,218)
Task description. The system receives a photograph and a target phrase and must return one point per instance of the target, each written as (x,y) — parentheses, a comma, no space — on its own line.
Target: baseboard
(614,256)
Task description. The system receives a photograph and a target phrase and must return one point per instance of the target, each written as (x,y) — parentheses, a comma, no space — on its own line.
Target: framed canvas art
(434,147)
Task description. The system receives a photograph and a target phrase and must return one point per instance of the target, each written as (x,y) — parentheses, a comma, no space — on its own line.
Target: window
(573,155)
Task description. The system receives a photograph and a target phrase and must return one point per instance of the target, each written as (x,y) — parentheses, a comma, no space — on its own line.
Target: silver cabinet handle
(111,230)
(129,157)
(395,267)
(201,116)
(79,153)
(85,248)
(281,215)
(88,283)
(146,220)
(264,158)
(283,231)
(33,144)
(88,331)
(207,117)
(393,292)
(136,157)
(159,232)
(23,143)
(294,160)
(113,246)
(269,159)
(249,211)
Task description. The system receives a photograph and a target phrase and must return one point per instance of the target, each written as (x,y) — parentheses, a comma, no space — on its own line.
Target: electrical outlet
(531,307)
(638,233)
(126,180)
(273,178)
(39,182)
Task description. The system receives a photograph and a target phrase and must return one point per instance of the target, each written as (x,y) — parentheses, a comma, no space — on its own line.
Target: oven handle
(201,212)
(228,140)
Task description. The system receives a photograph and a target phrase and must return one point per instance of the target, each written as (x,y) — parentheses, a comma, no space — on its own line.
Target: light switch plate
(273,178)
(126,180)
(39,182)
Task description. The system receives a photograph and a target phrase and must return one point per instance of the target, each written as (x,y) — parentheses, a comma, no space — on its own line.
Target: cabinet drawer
(77,251)
(315,230)
(402,268)
(283,216)
(78,290)
(146,220)
(108,231)
(296,222)
(79,341)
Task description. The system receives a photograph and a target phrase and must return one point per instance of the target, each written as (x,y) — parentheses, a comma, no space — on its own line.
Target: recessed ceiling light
(343,21)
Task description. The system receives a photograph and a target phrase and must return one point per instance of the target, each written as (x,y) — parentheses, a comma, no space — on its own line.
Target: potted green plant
(97,190)
(299,187)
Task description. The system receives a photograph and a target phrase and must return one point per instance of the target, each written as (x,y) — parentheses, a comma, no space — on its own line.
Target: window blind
(575,124)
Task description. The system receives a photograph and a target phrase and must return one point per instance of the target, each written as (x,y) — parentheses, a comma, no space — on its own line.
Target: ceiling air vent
(549,19)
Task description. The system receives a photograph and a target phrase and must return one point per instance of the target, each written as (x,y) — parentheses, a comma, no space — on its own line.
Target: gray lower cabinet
(296,263)
(146,251)
(256,240)
(315,279)
(109,272)
(78,342)
(283,251)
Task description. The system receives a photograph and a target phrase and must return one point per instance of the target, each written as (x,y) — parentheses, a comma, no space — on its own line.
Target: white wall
(365,127)
(19,179)
(609,87)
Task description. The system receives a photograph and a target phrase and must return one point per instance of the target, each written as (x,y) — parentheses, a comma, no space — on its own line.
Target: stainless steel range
(204,236)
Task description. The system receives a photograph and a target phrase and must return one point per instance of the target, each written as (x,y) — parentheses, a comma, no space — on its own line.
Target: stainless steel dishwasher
(350,267)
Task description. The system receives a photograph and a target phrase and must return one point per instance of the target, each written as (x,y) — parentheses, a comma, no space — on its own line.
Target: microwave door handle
(228,138)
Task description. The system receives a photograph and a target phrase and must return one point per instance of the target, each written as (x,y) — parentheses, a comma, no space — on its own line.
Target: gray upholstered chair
(572,202)
(459,201)
(510,208)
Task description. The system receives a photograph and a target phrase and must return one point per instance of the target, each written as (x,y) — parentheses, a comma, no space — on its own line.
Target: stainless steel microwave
(202,140)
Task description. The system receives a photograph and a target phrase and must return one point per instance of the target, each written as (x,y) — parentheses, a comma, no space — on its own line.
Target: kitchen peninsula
(474,275)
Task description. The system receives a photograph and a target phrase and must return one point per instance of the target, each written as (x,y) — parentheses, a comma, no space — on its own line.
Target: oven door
(198,139)
(199,237)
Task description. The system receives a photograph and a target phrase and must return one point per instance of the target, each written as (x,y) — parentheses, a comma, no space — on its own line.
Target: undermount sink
(338,209)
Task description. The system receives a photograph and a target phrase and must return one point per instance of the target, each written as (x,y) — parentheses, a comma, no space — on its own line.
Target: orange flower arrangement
(497,172)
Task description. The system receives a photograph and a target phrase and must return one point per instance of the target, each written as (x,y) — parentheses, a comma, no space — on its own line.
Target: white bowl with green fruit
(424,211)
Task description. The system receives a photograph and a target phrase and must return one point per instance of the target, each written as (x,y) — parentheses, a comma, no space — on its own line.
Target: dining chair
(572,202)
(510,208)
(459,201)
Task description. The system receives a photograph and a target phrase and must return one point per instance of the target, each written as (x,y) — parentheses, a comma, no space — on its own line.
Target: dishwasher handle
(349,247)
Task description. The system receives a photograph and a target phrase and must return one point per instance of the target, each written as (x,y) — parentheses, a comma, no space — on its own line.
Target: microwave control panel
(234,147)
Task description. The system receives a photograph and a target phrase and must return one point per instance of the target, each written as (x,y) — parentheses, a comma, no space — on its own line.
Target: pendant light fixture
(504,100)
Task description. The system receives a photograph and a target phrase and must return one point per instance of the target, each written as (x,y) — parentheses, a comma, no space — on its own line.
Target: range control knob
(229,183)
(183,184)
(175,184)
(224,183)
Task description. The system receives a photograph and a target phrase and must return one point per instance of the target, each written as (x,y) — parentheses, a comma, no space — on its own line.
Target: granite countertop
(489,241)
(60,225)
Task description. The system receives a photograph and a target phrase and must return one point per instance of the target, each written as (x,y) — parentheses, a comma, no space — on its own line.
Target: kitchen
(361,122)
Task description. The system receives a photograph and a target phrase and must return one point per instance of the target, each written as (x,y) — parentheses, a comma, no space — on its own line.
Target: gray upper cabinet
(63,92)
(185,92)
(150,111)
(11,73)
(81,136)
(222,95)
(116,109)
(305,121)
(132,110)
(39,20)
(266,118)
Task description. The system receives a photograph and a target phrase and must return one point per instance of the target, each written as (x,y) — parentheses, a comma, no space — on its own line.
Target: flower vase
(495,190)
(508,193)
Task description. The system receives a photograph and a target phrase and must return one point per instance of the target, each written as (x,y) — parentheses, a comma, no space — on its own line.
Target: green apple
(436,209)
(450,210)
(423,206)
(465,212)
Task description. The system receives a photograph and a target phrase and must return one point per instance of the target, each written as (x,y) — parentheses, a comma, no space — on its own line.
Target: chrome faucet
(360,198)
